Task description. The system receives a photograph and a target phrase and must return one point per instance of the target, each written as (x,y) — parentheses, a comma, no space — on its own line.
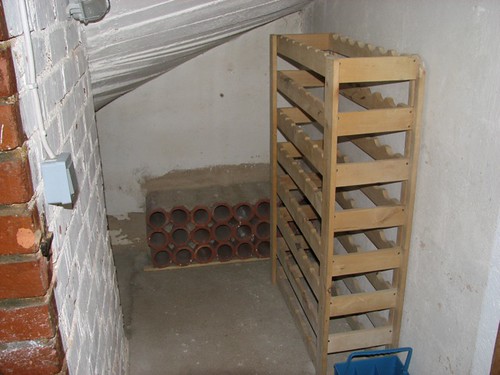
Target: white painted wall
(86,292)
(452,301)
(211,110)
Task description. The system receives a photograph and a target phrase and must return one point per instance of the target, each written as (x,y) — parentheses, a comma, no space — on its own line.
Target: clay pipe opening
(162,258)
(225,252)
(263,209)
(179,215)
(183,256)
(158,239)
(244,250)
(263,230)
(200,235)
(180,236)
(222,232)
(204,254)
(243,212)
(263,249)
(157,218)
(222,213)
(244,231)
(200,215)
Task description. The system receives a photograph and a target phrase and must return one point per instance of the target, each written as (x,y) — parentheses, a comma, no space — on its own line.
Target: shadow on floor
(221,319)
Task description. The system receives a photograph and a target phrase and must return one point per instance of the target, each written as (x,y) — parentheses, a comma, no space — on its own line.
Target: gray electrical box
(88,10)
(59,180)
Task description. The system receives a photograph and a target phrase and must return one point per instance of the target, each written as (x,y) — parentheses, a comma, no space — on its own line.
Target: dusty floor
(221,319)
(218,319)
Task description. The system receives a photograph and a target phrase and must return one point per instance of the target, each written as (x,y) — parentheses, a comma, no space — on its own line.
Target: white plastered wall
(452,306)
(212,110)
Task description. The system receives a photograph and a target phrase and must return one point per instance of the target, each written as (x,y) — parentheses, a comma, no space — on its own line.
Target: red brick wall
(29,338)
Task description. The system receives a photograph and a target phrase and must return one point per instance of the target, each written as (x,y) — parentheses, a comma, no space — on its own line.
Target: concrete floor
(221,319)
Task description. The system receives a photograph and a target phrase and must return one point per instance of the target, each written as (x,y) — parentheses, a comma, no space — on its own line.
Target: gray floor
(221,319)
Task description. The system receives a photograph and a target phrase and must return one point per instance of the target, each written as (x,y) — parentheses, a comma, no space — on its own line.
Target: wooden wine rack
(341,228)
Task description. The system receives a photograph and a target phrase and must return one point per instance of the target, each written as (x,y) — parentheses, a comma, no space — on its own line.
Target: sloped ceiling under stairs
(140,39)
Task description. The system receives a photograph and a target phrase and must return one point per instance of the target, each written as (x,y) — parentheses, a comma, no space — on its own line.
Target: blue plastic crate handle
(372,353)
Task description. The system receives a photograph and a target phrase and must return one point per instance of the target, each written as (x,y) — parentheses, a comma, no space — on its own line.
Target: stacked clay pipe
(204,234)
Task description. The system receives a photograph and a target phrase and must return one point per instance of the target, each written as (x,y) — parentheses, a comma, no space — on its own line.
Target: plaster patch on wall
(128,229)
(119,238)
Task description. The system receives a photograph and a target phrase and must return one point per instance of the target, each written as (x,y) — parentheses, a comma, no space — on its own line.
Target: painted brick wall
(85,306)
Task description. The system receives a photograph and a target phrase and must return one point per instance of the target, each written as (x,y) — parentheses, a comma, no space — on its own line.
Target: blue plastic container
(376,362)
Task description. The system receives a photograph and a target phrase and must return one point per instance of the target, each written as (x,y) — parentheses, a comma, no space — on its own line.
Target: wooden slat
(363,302)
(364,97)
(376,236)
(354,287)
(375,121)
(372,146)
(309,269)
(288,183)
(369,218)
(374,278)
(304,78)
(303,296)
(379,196)
(378,69)
(369,261)
(365,338)
(310,57)
(302,98)
(297,213)
(292,150)
(412,146)
(297,313)
(381,171)
(352,320)
(273,137)
(307,211)
(320,40)
(353,48)
(296,115)
(303,182)
(328,209)
(302,141)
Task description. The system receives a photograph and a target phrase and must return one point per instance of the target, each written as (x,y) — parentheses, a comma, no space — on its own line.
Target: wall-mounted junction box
(59,180)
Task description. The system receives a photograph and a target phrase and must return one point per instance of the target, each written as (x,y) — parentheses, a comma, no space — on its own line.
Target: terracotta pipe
(263,209)
(161,258)
(201,215)
(244,250)
(158,239)
(222,212)
(183,256)
(222,232)
(225,252)
(204,254)
(157,218)
(243,211)
(200,235)
(262,230)
(263,249)
(179,216)
(179,235)
(244,231)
